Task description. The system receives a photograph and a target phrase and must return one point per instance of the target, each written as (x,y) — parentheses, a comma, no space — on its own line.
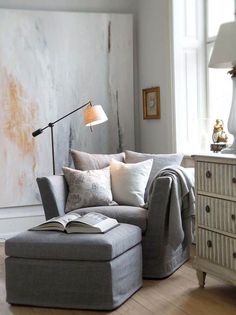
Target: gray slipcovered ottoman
(86,271)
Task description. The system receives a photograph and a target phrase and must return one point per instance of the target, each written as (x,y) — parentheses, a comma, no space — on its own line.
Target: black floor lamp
(93,115)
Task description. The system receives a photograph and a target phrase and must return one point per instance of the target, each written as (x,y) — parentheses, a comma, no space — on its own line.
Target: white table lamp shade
(224,51)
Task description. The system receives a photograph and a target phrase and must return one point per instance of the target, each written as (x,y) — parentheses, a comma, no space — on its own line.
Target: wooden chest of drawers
(215,185)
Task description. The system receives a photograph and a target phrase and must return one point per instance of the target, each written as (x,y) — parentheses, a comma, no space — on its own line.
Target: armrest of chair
(160,257)
(54,192)
(160,195)
(158,203)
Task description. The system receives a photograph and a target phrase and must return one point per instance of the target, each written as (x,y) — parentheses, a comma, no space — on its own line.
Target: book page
(91,218)
(66,218)
(106,225)
(91,223)
(57,223)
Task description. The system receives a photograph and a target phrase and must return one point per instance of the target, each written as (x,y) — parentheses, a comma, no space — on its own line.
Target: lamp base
(228,150)
(231,149)
(232,120)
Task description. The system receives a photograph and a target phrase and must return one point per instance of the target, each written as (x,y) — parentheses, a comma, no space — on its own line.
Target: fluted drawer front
(217,248)
(216,178)
(217,213)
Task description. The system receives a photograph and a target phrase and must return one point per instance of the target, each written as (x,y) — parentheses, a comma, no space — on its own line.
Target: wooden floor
(177,295)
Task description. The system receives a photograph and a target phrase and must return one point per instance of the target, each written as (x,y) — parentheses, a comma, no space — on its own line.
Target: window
(218,12)
(201,94)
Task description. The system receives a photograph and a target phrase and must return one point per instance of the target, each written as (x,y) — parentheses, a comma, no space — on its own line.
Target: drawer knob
(208,174)
(234,255)
(234,180)
(208,209)
(209,243)
(233,217)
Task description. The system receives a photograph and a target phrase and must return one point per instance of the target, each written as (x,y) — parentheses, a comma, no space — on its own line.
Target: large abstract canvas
(51,63)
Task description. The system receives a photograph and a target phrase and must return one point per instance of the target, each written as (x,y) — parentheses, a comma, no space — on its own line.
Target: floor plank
(176,295)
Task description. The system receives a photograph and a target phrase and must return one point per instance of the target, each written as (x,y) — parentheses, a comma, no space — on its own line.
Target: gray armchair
(160,258)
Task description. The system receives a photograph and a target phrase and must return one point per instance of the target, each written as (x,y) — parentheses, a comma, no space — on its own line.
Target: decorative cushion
(86,161)
(159,161)
(88,188)
(128,182)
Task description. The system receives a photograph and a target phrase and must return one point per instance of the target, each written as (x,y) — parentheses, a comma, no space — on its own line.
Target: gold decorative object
(219,136)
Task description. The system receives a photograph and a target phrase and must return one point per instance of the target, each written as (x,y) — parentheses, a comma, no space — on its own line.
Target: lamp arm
(73,111)
(51,124)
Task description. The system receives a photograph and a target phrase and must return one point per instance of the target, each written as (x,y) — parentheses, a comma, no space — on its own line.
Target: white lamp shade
(224,51)
(94,115)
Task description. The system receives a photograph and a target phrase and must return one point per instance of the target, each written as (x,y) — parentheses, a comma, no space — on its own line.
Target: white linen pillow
(88,188)
(159,162)
(128,181)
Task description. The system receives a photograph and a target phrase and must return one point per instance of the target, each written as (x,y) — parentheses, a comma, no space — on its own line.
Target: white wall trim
(172,78)
(18,219)
(21,212)
(5,236)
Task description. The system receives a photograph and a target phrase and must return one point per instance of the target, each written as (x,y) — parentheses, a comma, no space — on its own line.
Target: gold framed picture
(151,103)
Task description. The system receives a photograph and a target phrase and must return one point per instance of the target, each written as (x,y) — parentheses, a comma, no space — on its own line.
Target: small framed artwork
(151,103)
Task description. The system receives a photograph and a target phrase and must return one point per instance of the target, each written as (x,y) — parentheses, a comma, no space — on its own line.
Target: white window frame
(188,74)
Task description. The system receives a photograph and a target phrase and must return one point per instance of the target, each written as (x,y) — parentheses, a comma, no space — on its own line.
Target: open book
(75,223)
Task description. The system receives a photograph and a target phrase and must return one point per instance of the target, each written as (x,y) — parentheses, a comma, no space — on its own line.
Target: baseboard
(4,237)
(19,219)
(21,212)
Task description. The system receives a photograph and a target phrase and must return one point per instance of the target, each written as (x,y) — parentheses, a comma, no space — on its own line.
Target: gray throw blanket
(181,207)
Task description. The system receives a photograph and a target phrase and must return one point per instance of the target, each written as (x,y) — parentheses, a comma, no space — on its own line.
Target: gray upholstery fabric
(100,285)
(159,161)
(62,246)
(54,192)
(86,161)
(159,259)
(123,214)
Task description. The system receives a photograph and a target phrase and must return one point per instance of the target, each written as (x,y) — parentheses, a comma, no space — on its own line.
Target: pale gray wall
(154,61)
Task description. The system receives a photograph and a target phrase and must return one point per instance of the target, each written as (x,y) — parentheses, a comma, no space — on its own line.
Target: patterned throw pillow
(88,188)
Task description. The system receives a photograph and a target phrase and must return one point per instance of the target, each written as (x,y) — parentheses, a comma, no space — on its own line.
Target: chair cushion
(159,161)
(123,214)
(86,161)
(62,246)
